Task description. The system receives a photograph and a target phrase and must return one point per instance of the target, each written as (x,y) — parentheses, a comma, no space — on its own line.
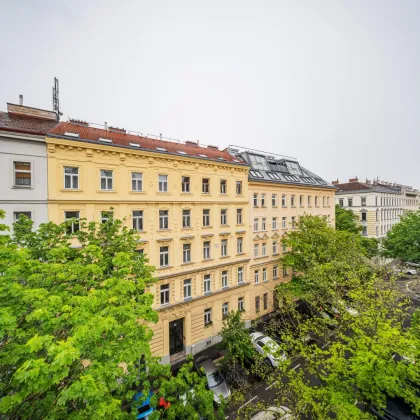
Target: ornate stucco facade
(280,191)
(190,206)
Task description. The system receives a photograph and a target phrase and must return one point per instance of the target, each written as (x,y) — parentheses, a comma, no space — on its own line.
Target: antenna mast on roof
(55,98)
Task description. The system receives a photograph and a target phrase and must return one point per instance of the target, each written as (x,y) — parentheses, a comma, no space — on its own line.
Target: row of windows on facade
(263,201)
(208,313)
(274,225)
(385,201)
(390,214)
(71,181)
(187,286)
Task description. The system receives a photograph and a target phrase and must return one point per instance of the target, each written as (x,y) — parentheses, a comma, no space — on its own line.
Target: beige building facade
(190,207)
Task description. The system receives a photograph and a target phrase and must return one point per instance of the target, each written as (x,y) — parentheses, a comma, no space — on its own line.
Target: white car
(268,348)
(273,413)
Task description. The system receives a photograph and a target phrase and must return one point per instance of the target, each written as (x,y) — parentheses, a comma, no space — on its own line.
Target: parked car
(215,380)
(272,413)
(268,348)
(144,409)
(396,409)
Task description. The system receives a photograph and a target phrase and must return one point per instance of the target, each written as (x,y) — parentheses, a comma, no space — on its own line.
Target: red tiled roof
(24,124)
(123,139)
(353,186)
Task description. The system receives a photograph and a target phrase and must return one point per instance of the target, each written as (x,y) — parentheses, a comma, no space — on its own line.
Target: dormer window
(203,156)
(134,144)
(161,149)
(102,140)
(70,134)
(181,152)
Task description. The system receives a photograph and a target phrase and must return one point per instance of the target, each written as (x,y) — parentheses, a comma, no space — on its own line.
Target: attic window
(203,156)
(69,134)
(273,175)
(181,152)
(291,177)
(134,144)
(161,149)
(256,174)
(220,158)
(236,160)
(102,140)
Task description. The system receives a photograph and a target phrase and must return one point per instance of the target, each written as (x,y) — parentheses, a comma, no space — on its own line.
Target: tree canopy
(346,220)
(403,240)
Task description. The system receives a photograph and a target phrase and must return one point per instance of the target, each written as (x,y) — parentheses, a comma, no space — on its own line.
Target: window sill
(284,207)
(224,256)
(165,230)
(186,263)
(107,191)
(206,194)
(163,193)
(22,187)
(275,254)
(275,229)
(186,193)
(165,268)
(207,227)
(187,299)
(225,226)
(276,278)
(137,192)
(69,189)
(208,259)
(262,256)
(186,228)
(208,324)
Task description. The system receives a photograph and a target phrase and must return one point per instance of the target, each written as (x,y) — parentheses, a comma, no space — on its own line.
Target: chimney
(117,130)
(191,143)
(20,99)
(336,182)
(106,126)
(80,123)
(353,179)
(212,147)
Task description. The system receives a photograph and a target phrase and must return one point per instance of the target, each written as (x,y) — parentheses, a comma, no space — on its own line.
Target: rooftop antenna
(55,98)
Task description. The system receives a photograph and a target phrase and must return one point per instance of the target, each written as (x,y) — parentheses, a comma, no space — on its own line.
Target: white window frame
(274,223)
(256,223)
(275,272)
(225,279)
(187,288)
(223,248)
(23,171)
(283,200)
(264,275)
(239,216)
(256,276)
(205,185)
(206,250)
(223,186)
(241,307)
(165,295)
(72,177)
(207,316)
(72,227)
(264,249)
(264,224)
(238,187)
(186,253)
(240,273)
(255,200)
(274,200)
(284,222)
(223,217)
(108,179)
(275,250)
(239,245)
(164,252)
(225,309)
(138,220)
(256,250)
(17,214)
(163,219)
(206,217)
(207,283)
(262,200)
(186,184)
(163,183)
(186,218)
(137,181)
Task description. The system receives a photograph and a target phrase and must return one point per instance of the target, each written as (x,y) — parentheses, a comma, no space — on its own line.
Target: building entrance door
(176,336)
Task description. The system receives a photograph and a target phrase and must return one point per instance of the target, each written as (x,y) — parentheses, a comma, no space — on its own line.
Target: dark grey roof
(278,169)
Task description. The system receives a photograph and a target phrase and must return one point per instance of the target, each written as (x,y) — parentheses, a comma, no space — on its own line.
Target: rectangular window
(309,201)
(241,304)
(328,201)
(186,253)
(240,275)
(265,301)
(363,201)
(364,216)
(223,186)
(164,294)
(284,271)
(262,200)
(17,215)
(316,201)
(74,217)
(350,202)
(255,225)
(283,200)
(205,189)
(223,217)
(257,304)
(185,184)
(256,276)
(106,180)
(187,289)
(163,219)
(263,224)
(238,187)
(163,183)
(264,272)
(239,245)
(255,200)
(274,223)
(106,215)
(207,316)
(293,222)
(207,283)
(223,248)
(71,178)
(225,309)
(22,174)
(206,250)
(275,272)
(136,181)
(301,200)
(264,249)
(256,250)
(206,217)
(292,201)
(341,202)
(274,200)
(238,216)
(138,219)
(186,218)
(275,251)
(284,222)
(224,279)
(164,256)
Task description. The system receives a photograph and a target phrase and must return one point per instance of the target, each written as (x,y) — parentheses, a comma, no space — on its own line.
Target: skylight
(273,175)
(161,149)
(69,134)
(204,156)
(181,152)
(102,140)
(134,144)
(291,177)
(256,174)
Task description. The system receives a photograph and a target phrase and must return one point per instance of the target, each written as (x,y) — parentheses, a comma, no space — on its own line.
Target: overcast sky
(333,83)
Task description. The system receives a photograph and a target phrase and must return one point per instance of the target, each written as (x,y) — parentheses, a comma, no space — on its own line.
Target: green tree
(73,322)
(346,220)
(403,240)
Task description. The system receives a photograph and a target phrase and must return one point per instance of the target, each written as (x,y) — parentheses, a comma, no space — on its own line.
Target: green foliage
(403,240)
(236,340)
(73,322)
(346,220)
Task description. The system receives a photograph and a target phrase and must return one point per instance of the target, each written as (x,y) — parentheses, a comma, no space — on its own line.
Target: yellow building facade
(280,191)
(190,207)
